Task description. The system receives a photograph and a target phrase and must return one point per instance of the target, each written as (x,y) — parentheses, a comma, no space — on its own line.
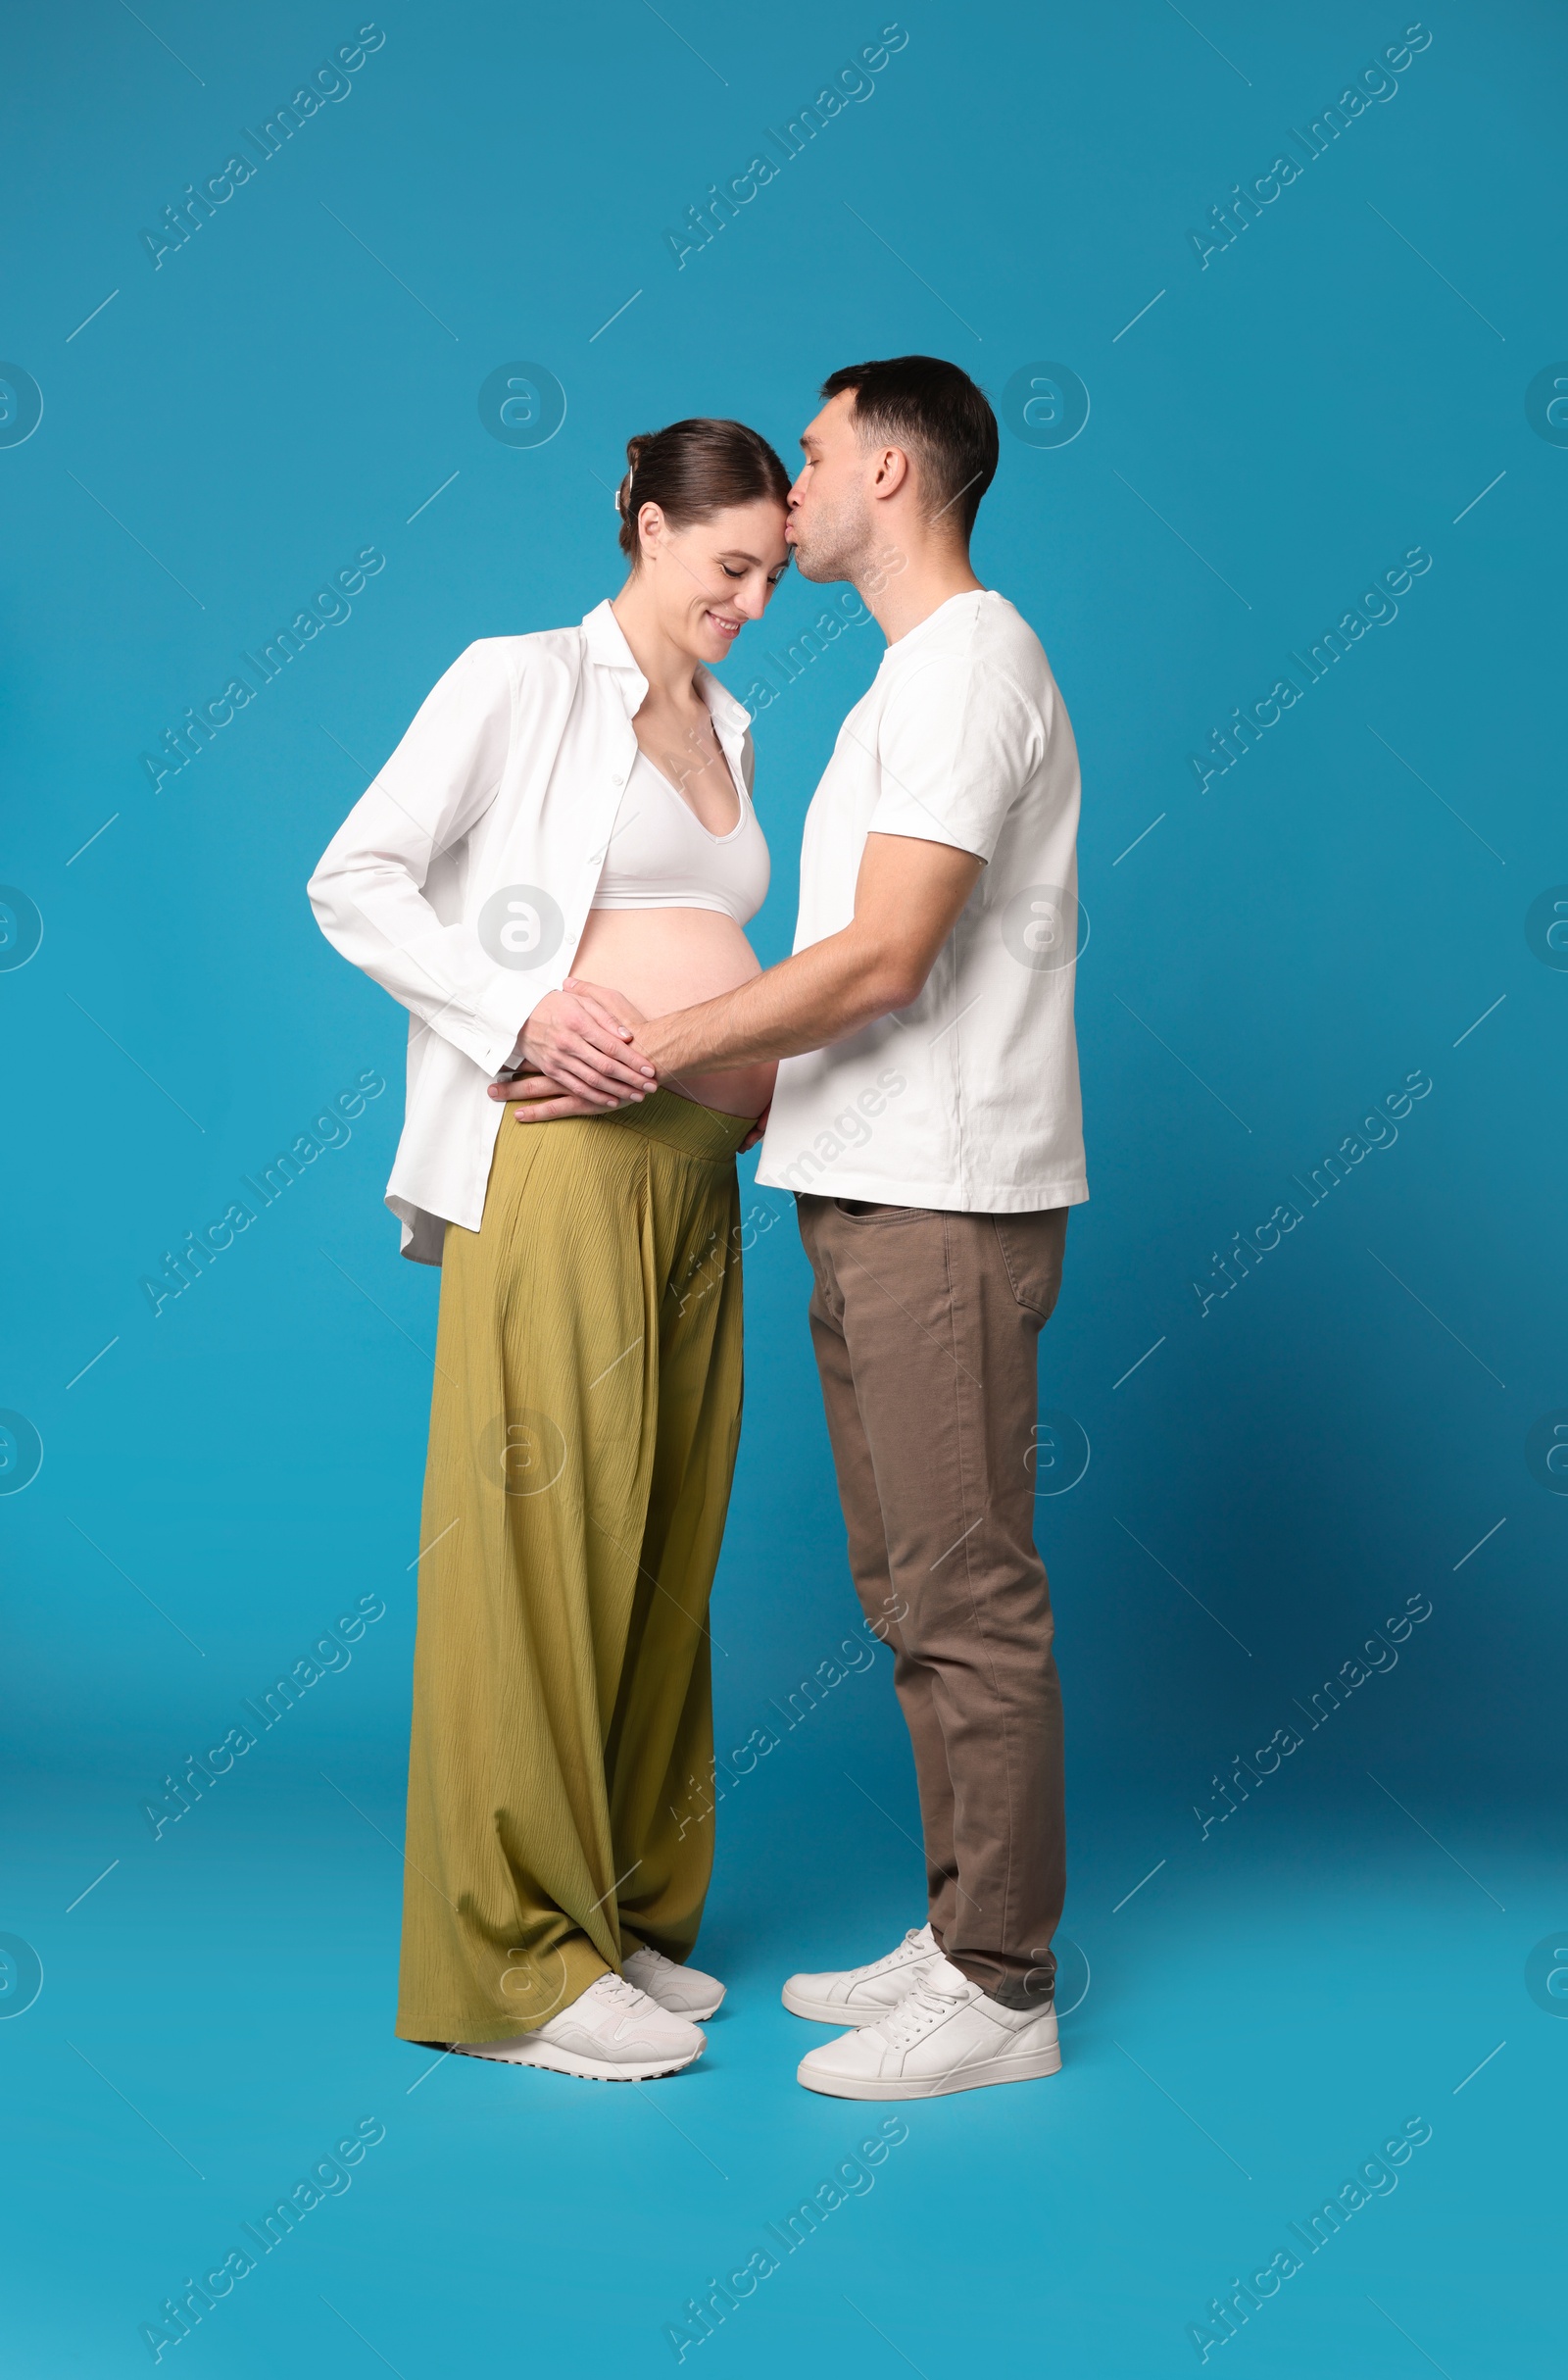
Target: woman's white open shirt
(505,788)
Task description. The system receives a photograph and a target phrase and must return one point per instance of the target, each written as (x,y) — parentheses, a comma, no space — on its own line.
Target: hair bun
(692,470)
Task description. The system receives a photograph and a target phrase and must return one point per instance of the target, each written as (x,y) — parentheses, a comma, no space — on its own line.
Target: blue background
(1274,429)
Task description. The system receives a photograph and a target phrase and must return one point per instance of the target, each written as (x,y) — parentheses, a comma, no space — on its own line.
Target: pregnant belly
(665,959)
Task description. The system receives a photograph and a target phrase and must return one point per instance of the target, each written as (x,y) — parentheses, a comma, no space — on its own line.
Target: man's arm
(908,898)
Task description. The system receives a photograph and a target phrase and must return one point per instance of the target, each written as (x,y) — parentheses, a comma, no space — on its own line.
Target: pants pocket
(1032,1250)
(867,1211)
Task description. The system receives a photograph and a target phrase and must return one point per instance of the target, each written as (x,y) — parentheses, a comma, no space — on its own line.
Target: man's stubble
(838,544)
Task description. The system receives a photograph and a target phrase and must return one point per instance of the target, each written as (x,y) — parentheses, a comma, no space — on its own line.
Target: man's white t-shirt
(967,1099)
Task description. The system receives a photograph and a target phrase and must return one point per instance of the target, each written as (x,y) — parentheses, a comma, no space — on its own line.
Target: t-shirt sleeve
(957,744)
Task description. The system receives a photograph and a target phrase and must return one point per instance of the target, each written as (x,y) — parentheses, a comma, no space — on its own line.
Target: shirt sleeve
(956,746)
(368,891)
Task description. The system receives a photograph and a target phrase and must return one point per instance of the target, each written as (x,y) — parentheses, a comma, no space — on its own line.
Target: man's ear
(892,472)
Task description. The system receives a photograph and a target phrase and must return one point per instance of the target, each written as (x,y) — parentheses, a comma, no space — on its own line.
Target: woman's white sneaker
(861,1994)
(612,2033)
(684,1990)
(944,2035)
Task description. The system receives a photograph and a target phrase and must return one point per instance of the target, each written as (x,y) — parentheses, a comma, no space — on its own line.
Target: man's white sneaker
(684,1990)
(610,2033)
(861,1994)
(946,2035)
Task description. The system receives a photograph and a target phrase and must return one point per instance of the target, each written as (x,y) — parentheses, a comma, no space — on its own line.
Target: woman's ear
(650,529)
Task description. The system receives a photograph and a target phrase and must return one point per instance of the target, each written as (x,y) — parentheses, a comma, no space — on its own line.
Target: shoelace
(911,1947)
(616,1988)
(916,2013)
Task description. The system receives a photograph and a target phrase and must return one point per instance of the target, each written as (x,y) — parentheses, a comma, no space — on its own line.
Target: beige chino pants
(926,1326)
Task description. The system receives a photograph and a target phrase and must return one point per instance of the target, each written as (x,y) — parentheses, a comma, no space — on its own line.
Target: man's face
(831,525)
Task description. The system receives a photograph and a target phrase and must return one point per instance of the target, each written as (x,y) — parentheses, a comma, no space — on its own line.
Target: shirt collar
(730,717)
(607,645)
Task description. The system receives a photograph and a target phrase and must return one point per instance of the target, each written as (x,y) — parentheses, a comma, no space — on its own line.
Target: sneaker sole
(933,2086)
(848,2013)
(587,2069)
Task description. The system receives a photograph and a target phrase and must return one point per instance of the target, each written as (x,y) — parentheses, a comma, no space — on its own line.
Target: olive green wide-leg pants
(583,1428)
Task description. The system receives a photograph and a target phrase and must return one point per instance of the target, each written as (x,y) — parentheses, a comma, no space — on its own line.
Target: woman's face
(710,578)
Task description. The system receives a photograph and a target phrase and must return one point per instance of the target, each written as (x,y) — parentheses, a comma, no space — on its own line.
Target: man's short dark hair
(940,418)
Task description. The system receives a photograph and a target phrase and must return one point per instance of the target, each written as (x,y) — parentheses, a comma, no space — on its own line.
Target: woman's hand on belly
(734,1091)
(640,962)
(659,959)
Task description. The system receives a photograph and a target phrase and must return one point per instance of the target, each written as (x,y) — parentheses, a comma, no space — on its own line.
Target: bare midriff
(667,958)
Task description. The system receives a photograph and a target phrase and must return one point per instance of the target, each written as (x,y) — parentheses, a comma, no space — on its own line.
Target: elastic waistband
(684,1125)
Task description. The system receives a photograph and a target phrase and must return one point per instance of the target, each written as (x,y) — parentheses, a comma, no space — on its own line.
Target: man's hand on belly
(907,898)
(578,1042)
(615,1005)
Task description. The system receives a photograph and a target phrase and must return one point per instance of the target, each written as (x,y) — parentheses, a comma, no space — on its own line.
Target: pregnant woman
(568,803)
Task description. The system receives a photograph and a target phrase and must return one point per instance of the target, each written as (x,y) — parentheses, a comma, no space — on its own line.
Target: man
(927,1117)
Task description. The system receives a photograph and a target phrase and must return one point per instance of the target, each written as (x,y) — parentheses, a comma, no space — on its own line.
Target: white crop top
(660,855)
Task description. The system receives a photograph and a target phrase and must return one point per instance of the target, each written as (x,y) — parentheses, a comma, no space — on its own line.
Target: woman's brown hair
(692,469)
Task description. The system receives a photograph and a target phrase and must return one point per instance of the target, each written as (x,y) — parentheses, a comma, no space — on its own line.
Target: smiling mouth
(725,628)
